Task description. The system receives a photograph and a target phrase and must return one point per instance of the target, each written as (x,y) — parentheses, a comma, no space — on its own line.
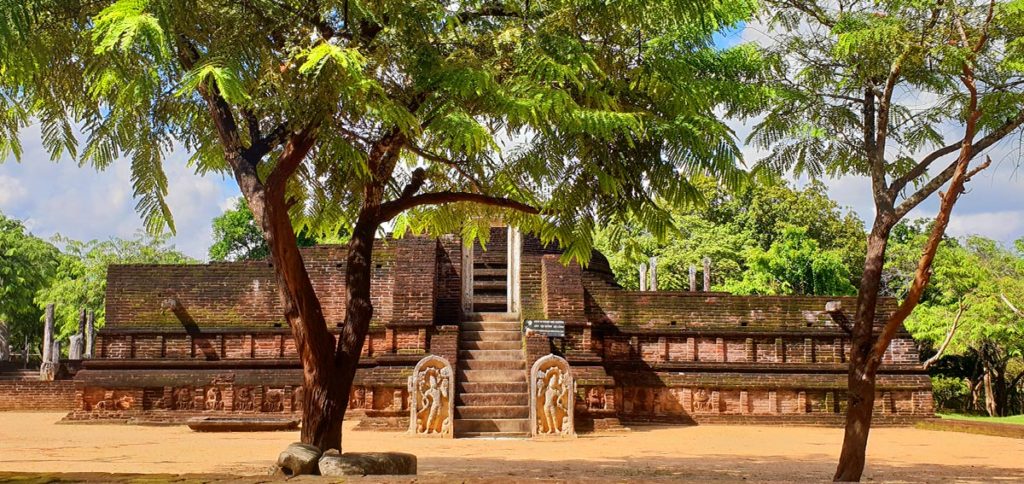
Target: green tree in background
(971,315)
(794,264)
(80,278)
(27,265)
(236,236)
(734,228)
(340,116)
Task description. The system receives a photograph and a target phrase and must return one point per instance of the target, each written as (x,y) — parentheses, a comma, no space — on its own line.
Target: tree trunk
(861,379)
(990,398)
(359,308)
(322,407)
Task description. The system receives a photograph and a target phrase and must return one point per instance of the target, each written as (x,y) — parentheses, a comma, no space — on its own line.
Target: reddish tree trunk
(860,379)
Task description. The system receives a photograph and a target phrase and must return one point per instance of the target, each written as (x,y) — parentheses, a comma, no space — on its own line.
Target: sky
(81,203)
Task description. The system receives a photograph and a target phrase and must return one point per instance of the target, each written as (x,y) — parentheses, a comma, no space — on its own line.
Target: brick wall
(37,395)
(244,294)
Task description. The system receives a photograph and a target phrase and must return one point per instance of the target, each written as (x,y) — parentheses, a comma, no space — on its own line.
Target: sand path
(35,442)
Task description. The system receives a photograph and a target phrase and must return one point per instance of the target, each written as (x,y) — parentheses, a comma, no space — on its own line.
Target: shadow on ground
(716,468)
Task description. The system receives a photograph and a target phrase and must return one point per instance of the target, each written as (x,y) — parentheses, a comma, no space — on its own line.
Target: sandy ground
(35,442)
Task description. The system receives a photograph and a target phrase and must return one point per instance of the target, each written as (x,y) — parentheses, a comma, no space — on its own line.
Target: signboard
(545,327)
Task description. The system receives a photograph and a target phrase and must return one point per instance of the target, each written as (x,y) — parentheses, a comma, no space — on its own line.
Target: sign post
(545,327)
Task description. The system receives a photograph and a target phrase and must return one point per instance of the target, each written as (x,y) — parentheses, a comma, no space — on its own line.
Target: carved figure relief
(431,388)
(273,401)
(702,401)
(552,392)
(214,400)
(357,398)
(244,400)
(298,398)
(595,398)
(183,399)
(112,402)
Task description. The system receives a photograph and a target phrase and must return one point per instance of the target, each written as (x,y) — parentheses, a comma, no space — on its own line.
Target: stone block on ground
(334,464)
(298,459)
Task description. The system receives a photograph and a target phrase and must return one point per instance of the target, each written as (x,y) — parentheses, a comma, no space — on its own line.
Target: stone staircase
(490,286)
(492,395)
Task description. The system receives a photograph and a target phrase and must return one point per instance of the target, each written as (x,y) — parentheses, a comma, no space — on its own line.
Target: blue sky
(81,203)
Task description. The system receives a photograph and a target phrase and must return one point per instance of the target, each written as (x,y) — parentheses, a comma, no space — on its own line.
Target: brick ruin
(210,340)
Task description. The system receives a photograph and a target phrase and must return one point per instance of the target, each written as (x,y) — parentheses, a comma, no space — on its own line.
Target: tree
(735,227)
(350,114)
(970,310)
(794,264)
(237,237)
(80,279)
(27,264)
(841,109)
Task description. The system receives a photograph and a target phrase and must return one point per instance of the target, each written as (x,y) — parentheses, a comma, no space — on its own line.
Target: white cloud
(81,203)
(10,191)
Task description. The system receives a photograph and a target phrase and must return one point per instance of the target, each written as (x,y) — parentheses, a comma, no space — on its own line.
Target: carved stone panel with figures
(552,394)
(431,397)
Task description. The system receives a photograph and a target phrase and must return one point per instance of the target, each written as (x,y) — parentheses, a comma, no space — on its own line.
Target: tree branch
(949,336)
(390,210)
(298,146)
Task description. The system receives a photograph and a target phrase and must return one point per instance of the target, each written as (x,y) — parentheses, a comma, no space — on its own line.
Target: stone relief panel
(552,391)
(213,398)
(244,399)
(101,400)
(273,400)
(184,399)
(431,397)
(298,398)
(357,398)
(702,402)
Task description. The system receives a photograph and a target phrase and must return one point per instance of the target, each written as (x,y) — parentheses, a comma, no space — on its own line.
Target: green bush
(950,393)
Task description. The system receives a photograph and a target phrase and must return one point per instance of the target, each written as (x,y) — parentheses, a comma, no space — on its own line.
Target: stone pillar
(780,351)
(744,402)
(830,402)
(90,333)
(773,402)
(748,347)
(723,350)
(707,274)
(808,350)
(48,334)
(692,343)
(5,342)
(25,354)
(643,277)
(654,274)
(48,367)
(75,347)
(801,402)
(693,278)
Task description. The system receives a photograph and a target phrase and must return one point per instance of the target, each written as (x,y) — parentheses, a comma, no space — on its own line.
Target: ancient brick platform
(672,357)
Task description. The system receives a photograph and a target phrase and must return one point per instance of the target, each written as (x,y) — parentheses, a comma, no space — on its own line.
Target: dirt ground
(35,442)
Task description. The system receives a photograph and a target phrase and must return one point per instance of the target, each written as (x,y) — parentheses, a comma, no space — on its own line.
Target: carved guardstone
(552,397)
(431,397)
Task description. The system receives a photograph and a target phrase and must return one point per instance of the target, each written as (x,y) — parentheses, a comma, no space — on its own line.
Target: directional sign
(546,327)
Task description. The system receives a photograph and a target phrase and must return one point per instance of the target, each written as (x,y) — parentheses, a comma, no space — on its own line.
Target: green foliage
(80,279)
(589,111)
(983,277)
(751,239)
(27,265)
(236,236)
(830,55)
(794,264)
(950,393)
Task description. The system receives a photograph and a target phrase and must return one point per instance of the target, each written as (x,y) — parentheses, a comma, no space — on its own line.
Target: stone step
(489,307)
(496,411)
(494,435)
(492,376)
(488,299)
(490,355)
(490,399)
(480,285)
(492,425)
(498,316)
(518,364)
(490,326)
(491,345)
(489,272)
(470,388)
(490,335)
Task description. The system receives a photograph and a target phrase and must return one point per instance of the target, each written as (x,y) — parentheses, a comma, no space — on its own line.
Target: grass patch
(1013,419)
